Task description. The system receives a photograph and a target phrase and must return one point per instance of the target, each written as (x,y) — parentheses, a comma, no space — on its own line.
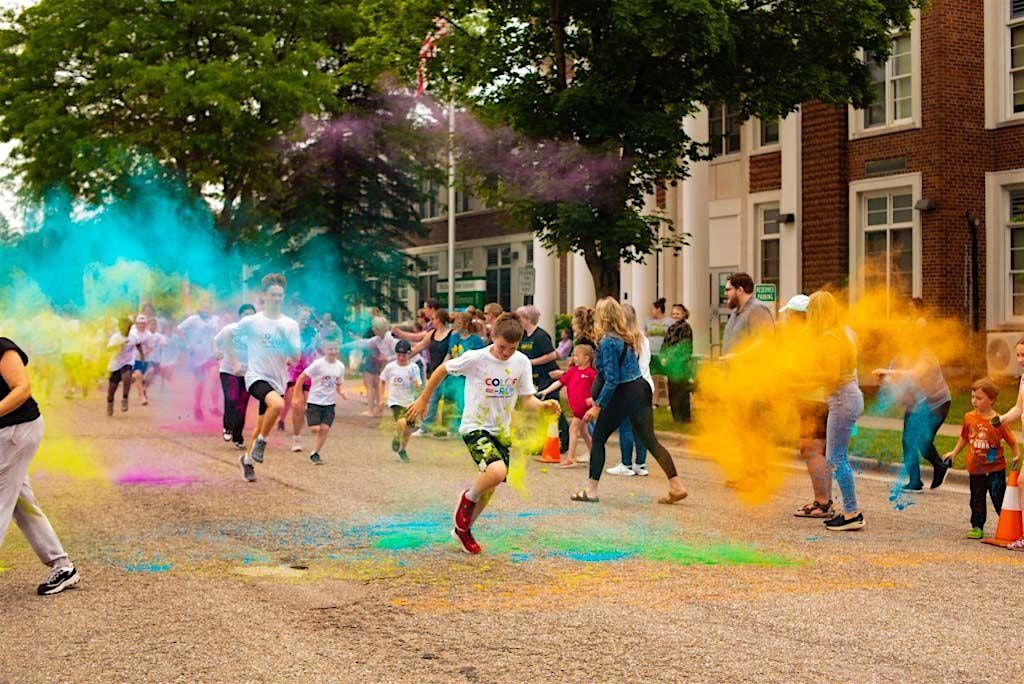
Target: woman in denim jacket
(624,394)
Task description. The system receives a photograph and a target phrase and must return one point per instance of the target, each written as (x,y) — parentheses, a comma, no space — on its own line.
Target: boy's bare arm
(419,407)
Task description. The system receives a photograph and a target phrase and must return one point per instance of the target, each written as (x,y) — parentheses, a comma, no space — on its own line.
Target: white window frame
(716,142)
(998,299)
(855,116)
(998,81)
(860,191)
(761,238)
(757,128)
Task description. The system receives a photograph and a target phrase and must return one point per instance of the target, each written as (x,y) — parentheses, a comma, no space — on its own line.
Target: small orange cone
(552,452)
(1010,527)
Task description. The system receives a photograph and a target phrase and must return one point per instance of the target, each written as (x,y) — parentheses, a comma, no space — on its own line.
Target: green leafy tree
(618,77)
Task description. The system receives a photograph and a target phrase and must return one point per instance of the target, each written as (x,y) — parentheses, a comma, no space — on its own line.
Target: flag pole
(451,205)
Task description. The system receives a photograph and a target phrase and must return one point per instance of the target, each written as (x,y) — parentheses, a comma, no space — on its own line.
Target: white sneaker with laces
(640,470)
(621,470)
(420,432)
(296,444)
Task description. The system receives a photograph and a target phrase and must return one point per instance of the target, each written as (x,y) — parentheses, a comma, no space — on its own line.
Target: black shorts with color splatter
(398,413)
(486,448)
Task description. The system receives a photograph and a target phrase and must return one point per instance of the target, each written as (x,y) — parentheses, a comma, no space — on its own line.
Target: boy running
(324,378)
(232,380)
(271,341)
(495,378)
(398,383)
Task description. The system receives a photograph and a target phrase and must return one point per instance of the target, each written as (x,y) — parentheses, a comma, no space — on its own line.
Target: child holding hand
(577,379)
(986,466)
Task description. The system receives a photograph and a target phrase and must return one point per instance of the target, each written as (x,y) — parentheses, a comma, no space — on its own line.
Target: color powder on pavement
(142,476)
(147,567)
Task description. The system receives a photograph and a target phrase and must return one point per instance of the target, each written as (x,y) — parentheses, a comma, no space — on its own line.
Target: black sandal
(815,510)
(583,496)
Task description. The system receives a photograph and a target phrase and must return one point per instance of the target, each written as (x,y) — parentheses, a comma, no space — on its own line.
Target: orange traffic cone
(1010,527)
(552,452)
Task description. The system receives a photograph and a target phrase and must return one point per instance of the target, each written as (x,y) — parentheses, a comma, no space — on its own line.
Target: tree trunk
(558,39)
(606,275)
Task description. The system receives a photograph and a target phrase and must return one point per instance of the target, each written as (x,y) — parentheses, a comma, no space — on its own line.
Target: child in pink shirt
(577,380)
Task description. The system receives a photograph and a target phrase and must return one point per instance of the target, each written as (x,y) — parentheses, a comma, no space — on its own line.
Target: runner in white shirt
(398,383)
(272,342)
(325,376)
(124,348)
(198,331)
(154,353)
(140,331)
(496,377)
(232,380)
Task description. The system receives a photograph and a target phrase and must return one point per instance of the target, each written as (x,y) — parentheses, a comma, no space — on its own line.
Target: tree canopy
(618,77)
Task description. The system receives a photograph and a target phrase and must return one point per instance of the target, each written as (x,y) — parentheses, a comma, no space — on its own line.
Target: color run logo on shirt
(500,389)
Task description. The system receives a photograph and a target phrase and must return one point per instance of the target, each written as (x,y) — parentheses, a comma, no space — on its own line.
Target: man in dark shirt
(540,349)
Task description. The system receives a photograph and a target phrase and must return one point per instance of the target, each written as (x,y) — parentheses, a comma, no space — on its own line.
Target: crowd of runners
(463,373)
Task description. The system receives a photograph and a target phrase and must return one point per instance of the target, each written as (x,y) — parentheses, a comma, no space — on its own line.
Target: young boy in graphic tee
(324,377)
(496,377)
(986,466)
(398,384)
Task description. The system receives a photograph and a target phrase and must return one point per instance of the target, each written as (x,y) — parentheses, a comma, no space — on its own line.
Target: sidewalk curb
(859,463)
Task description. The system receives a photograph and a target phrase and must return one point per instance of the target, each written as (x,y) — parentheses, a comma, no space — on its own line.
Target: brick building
(816,198)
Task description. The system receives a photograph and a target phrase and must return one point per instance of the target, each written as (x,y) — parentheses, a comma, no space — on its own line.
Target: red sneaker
(465,537)
(464,513)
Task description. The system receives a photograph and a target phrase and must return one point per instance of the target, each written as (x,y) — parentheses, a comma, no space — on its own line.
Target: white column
(625,282)
(791,266)
(645,275)
(696,286)
(545,293)
(583,293)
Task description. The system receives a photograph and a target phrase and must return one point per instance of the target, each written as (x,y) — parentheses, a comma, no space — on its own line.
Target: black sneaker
(841,523)
(911,487)
(939,473)
(404,456)
(59,580)
(248,472)
(315,458)
(258,447)
(395,444)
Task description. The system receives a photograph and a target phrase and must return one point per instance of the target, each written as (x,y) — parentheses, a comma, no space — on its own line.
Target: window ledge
(725,158)
(884,130)
(766,149)
(1010,121)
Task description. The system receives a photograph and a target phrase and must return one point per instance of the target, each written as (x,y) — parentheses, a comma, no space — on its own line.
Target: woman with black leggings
(623,394)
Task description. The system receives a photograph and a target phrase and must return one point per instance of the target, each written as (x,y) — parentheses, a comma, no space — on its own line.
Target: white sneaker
(296,444)
(420,432)
(226,435)
(621,470)
(640,470)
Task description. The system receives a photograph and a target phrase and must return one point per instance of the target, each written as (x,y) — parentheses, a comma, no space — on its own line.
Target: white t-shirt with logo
(269,343)
(324,380)
(492,388)
(401,382)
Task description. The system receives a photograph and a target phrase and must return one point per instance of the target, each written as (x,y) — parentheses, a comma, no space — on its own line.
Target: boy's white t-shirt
(124,351)
(401,382)
(492,388)
(269,343)
(199,334)
(324,379)
(220,341)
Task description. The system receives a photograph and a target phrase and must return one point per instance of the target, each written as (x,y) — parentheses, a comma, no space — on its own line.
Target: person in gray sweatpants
(21,431)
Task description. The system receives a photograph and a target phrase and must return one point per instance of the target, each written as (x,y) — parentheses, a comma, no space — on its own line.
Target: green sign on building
(765,292)
(471,291)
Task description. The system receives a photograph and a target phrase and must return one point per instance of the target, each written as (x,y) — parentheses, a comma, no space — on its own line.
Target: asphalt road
(345,572)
